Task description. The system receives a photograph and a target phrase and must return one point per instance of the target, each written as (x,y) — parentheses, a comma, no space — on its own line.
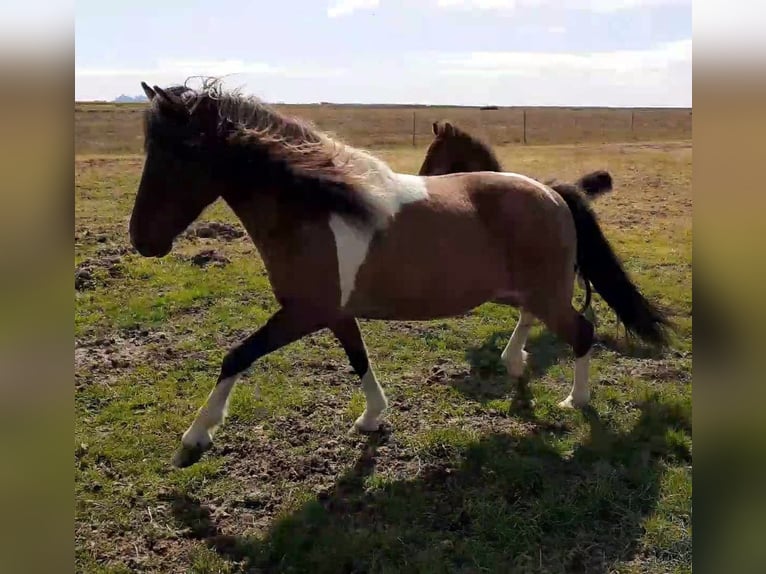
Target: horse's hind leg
(577,331)
(514,356)
(346,330)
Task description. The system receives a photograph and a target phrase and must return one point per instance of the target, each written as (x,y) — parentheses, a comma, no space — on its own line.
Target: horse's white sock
(376,402)
(211,415)
(514,356)
(580,394)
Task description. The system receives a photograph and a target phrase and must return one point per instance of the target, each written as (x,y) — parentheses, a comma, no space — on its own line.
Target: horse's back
(506,203)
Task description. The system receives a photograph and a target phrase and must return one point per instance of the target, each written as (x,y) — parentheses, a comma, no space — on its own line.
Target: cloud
(603,6)
(657,76)
(345,7)
(106,83)
(613,63)
(340,8)
(478,4)
(185,68)
(660,76)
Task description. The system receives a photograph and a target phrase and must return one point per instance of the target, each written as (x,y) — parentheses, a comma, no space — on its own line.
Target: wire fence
(397,126)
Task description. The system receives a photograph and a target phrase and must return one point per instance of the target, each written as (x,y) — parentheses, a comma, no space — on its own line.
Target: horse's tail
(595,183)
(598,264)
(592,184)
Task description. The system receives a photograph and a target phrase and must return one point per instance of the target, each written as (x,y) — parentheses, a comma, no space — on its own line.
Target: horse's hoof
(366,423)
(187,455)
(574,403)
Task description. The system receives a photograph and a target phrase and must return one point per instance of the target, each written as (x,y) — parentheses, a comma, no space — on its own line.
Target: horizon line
(488,107)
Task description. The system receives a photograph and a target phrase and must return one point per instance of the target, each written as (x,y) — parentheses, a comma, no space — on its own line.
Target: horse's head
(453,150)
(176,185)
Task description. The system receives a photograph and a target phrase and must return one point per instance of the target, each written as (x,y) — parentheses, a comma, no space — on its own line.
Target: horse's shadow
(488,379)
(627,345)
(508,503)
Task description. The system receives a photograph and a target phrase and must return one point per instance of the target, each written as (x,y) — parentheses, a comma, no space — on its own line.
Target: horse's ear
(449,129)
(436,128)
(164,96)
(150,93)
(169,102)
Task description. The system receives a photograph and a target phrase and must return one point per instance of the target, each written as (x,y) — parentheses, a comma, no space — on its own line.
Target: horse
(343,237)
(454,150)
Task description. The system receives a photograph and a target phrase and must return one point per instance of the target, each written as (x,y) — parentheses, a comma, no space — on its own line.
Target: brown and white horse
(454,150)
(343,237)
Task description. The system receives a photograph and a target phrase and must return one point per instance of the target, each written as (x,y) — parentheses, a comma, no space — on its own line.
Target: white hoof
(516,365)
(572,402)
(192,448)
(367,422)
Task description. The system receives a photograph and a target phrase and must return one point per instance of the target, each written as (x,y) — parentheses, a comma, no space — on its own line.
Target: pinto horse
(343,237)
(453,150)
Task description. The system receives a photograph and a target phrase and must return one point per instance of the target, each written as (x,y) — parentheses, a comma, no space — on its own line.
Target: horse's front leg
(346,330)
(284,327)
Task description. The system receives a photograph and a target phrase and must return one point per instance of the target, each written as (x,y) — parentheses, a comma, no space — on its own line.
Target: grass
(465,477)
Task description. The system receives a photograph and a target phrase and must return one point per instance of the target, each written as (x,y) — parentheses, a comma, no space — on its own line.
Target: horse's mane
(253,139)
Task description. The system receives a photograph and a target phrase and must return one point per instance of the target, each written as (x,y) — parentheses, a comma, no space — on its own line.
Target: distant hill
(123,99)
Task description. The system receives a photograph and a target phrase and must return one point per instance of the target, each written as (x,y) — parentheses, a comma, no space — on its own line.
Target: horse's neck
(262,215)
(489,163)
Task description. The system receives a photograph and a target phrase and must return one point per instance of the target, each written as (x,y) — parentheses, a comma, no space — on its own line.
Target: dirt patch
(215,230)
(103,237)
(84,280)
(104,357)
(662,371)
(115,250)
(97,271)
(445,371)
(89,236)
(209,257)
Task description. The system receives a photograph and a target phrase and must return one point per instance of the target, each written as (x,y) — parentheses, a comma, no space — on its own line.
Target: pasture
(473,473)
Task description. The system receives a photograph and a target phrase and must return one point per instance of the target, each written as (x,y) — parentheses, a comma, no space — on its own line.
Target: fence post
(413,128)
(632,123)
(524,125)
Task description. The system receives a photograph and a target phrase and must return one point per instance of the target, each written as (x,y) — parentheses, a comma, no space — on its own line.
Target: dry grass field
(468,475)
(116,128)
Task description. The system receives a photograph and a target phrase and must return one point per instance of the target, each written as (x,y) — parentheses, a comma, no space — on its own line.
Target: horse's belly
(414,307)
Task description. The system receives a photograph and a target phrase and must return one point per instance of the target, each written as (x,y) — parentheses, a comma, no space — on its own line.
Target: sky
(463,52)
